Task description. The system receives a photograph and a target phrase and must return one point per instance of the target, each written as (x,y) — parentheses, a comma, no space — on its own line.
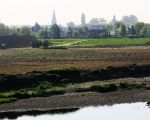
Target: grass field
(100,42)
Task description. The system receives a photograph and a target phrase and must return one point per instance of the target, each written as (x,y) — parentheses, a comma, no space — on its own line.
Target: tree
(4,30)
(69,32)
(25,31)
(118,25)
(43,34)
(138,27)
(55,31)
(146,30)
(123,30)
(76,34)
(133,32)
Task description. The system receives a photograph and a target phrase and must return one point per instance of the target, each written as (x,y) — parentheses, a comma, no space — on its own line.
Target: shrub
(81,89)
(21,95)
(45,44)
(7,100)
(104,88)
(124,85)
(56,92)
(44,85)
(65,81)
(36,44)
(44,93)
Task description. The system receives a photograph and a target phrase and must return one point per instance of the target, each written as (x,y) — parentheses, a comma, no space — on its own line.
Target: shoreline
(74,101)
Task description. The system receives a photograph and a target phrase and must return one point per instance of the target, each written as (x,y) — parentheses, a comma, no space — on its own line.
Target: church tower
(54,21)
(83,20)
(114,20)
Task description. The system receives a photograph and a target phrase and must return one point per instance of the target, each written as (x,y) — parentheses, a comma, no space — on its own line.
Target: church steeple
(54,21)
(114,20)
(83,20)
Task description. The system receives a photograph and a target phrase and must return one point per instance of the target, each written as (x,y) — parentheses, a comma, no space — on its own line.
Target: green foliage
(138,27)
(7,100)
(46,93)
(44,85)
(21,95)
(39,92)
(100,42)
(146,30)
(4,30)
(36,44)
(104,88)
(55,32)
(65,81)
(25,31)
(123,30)
(43,34)
(129,86)
(124,85)
(45,43)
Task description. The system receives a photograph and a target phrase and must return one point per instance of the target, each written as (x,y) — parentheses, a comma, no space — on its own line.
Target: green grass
(7,100)
(96,86)
(64,42)
(101,42)
(11,96)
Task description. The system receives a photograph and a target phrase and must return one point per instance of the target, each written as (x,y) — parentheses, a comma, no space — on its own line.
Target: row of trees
(137,29)
(5,30)
(26,30)
(56,32)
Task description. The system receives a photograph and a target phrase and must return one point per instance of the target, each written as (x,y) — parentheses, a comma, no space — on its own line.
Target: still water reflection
(134,111)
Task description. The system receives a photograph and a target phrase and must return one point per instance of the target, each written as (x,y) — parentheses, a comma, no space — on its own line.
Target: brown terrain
(25,60)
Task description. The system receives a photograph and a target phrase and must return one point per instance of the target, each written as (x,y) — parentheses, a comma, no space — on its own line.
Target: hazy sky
(18,12)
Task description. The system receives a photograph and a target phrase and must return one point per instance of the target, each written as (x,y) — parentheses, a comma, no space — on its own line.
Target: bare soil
(85,58)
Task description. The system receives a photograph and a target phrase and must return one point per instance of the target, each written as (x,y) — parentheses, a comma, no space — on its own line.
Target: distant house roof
(96,27)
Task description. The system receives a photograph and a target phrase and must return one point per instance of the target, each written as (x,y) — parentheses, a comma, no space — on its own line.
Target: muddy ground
(25,60)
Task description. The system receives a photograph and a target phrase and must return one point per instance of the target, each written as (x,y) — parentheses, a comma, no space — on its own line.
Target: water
(134,111)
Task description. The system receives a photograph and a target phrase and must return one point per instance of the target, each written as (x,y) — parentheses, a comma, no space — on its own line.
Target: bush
(56,92)
(104,88)
(148,43)
(124,85)
(81,89)
(65,81)
(44,93)
(36,44)
(21,95)
(7,100)
(44,85)
(45,44)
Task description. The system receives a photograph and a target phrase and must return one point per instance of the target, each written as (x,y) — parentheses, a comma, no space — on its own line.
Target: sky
(27,12)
